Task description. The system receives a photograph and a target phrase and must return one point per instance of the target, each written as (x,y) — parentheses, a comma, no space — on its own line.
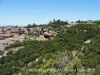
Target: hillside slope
(66,54)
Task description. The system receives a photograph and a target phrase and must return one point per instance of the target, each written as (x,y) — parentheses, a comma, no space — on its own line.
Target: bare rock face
(7,29)
(53,33)
(1,48)
(50,34)
(1,32)
(31,31)
(74,53)
(37,59)
(5,35)
(26,32)
(47,34)
(45,30)
(5,53)
(0,56)
(82,48)
(35,32)
(38,29)
(88,42)
(23,29)
(14,30)
(1,29)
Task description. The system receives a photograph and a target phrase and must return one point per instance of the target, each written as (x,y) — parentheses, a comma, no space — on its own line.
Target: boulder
(1,29)
(50,34)
(45,30)
(5,35)
(1,32)
(47,34)
(14,30)
(1,48)
(6,29)
(88,42)
(53,33)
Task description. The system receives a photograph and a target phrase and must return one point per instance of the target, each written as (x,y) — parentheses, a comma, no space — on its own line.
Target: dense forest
(66,54)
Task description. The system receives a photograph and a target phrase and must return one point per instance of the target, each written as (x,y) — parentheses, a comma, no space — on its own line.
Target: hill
(74,51)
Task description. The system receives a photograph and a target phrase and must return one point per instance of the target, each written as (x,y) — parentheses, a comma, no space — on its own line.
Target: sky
(24,12)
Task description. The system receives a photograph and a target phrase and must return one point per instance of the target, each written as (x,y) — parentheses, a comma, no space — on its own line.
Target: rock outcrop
(87,41)
(50,34)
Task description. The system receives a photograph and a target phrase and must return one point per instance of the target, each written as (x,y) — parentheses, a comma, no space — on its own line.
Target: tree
(33,25)
(58,20)
(16,26)
(19,32)
(67,22)
(54,20)
(29,25)
(78,21)
(50,22)
(10,51)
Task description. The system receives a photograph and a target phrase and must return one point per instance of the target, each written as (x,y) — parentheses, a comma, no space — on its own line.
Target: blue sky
(24,12)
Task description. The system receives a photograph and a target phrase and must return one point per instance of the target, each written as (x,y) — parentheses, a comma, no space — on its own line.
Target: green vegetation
(55,24)
(16,44)
(1,52)
(97,22)
(57,54)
